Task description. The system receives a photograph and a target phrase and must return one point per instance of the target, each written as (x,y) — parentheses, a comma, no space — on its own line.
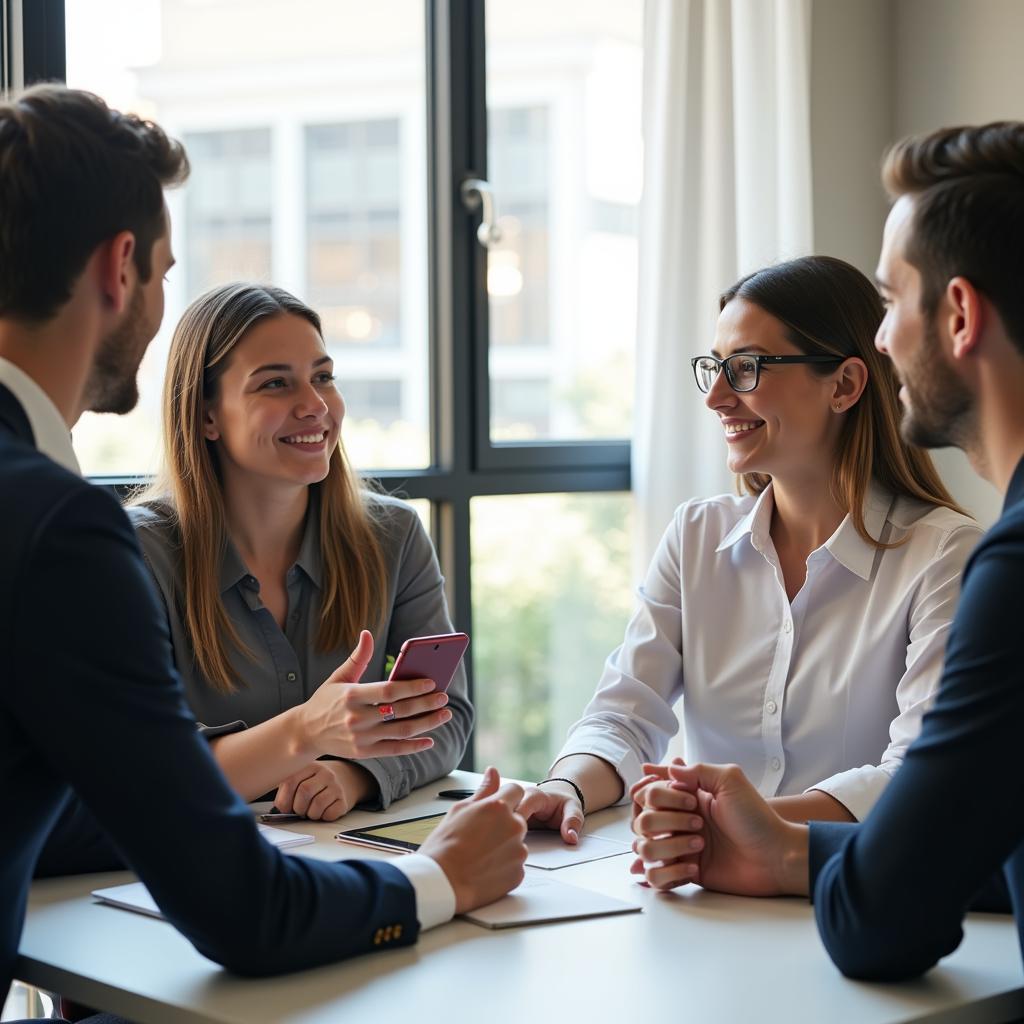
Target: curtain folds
(727,189)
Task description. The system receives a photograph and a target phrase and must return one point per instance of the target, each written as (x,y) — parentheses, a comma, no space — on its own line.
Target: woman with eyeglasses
(802,623)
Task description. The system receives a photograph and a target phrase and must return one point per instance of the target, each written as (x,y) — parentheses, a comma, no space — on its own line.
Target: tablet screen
(407,834)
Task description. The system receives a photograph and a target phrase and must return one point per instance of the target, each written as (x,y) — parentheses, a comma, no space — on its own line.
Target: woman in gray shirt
(273,563)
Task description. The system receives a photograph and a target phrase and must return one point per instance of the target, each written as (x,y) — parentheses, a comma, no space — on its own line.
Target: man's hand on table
(708,824)
(479,844)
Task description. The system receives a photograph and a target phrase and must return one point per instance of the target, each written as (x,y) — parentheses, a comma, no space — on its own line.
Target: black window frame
(465,462)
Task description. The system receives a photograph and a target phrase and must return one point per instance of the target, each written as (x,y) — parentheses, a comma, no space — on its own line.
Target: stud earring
(838,407)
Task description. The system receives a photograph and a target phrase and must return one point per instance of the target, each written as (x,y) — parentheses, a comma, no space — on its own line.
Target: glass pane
(552,593)
(307,137)
(566,163)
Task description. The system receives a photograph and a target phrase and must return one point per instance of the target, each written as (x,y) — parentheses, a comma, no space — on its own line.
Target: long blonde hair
(828,307)
(189,484)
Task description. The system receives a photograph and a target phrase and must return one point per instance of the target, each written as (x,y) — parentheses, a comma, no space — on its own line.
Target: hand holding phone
(431,657)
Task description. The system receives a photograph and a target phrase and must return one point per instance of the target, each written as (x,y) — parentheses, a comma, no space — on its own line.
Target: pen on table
(455,794)
(275,815)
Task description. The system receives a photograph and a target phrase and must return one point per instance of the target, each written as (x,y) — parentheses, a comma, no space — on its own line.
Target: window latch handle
(477,194)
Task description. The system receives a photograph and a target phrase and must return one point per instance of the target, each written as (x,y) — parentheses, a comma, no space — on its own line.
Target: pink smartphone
(431,657)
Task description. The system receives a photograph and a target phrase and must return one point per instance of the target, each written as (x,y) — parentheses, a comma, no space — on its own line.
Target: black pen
(276,815)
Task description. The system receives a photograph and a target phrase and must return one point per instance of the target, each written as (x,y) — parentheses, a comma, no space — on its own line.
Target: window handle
(477,193)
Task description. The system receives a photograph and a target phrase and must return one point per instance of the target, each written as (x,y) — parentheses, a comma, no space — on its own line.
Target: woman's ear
(210,430)
(849,384)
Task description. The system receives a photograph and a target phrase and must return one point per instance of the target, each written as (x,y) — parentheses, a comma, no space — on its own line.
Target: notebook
(282,838)
(135,896)
(537,900)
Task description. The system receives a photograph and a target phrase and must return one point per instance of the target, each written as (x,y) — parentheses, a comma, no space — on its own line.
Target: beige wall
(851,124)
(959,62)
(885,68)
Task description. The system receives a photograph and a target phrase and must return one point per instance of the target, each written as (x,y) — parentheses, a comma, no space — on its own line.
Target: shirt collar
(846,545)
(310,559)
(756,523)
(51,433)
(233,570)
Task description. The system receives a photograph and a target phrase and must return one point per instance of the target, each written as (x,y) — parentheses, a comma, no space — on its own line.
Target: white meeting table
(692,956)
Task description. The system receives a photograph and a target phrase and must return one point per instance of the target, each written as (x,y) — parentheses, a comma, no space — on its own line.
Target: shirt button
(787,626)
(776,764)
(291,677)
(771,707)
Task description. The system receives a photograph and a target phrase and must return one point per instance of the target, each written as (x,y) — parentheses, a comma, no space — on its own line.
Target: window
(491,386)
(228,208)
(353,231)
(551,592)
(307,139)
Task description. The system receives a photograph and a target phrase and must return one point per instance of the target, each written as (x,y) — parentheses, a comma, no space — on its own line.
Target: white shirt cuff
(598,744)
(857,789)
(435,897)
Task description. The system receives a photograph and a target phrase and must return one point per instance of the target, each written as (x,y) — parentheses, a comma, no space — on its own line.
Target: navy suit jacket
(890,893)
(90,704)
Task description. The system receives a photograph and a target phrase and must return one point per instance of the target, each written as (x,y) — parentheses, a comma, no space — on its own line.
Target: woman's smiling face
(786,425)
(277,413)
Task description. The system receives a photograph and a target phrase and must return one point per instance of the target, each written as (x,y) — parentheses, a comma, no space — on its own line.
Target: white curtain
(727,189)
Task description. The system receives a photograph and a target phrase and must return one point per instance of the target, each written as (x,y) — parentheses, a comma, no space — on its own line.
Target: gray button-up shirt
(288,667)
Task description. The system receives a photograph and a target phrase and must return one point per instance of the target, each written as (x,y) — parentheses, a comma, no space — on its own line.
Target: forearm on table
(597,779)
(816,805)
(256,760)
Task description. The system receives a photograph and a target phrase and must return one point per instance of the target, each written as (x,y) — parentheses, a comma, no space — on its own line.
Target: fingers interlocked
(668,830)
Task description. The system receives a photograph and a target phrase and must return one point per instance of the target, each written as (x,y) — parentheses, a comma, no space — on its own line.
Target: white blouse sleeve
(630,719)
(931,613)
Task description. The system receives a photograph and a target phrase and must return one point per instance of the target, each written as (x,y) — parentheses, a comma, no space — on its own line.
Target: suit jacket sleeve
(102,705)
(890,895)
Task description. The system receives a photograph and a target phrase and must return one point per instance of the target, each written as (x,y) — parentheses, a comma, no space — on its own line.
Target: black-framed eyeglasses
(743,370)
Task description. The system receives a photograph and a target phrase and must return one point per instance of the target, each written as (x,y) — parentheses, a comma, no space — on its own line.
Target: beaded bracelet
(579,792)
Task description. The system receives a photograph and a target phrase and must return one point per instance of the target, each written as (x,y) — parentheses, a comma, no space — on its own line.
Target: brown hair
(74,173)
(968,216)
(354,570)
(830,308)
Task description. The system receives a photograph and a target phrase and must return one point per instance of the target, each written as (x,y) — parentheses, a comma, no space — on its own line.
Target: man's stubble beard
(940,412)
(112,383)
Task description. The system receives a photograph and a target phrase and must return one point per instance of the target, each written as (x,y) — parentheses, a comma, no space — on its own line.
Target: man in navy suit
(890,893)
(89,700)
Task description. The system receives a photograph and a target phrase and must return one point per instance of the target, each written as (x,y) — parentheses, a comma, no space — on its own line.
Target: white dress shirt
(435,898)
(50,431)
(826,692)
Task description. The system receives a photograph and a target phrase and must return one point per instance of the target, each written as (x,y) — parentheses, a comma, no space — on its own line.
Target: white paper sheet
(282,838)
(134,896)
(550,852)
(539,899)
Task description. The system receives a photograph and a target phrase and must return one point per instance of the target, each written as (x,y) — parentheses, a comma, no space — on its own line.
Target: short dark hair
(74,173)
(968,221)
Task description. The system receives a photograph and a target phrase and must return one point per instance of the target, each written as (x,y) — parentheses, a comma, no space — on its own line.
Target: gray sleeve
(420,609)
(160,553)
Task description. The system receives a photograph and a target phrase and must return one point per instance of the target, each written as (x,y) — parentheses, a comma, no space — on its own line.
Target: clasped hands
(707,824)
